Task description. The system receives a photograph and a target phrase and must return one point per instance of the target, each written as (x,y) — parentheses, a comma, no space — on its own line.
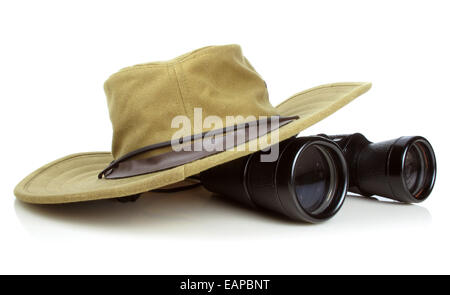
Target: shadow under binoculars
(310,178)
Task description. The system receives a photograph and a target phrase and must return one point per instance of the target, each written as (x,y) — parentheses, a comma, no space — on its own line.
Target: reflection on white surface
(198,214)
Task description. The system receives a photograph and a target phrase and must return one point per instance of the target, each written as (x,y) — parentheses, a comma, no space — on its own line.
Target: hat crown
(143,99)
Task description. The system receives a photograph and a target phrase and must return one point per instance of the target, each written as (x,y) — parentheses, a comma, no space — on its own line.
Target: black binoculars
(310,178)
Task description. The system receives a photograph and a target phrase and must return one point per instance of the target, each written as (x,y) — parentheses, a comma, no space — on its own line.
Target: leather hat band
(219,140)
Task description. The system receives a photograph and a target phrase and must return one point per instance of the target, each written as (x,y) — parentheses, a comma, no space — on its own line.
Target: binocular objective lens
(315,179)
(419,168)
(414,169)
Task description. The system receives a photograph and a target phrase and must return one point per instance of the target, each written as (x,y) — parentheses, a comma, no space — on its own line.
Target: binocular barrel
(402,169)
(308,181)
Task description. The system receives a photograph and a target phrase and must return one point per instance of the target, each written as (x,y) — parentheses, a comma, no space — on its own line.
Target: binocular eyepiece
(310,178)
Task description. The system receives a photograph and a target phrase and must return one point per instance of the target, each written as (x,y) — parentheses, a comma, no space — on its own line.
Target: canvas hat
(143,100)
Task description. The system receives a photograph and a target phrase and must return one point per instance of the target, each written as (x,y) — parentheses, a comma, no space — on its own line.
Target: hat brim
(74,177)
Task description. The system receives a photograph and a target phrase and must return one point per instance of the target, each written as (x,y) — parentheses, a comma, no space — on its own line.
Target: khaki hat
(143,100)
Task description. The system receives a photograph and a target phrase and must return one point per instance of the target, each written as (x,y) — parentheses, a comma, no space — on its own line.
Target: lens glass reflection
(315,176)
(418,170)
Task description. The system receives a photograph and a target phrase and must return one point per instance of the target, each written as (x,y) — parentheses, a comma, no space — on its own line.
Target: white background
(55,56)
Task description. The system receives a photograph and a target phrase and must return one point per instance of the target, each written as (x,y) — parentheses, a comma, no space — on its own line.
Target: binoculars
(310,178)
